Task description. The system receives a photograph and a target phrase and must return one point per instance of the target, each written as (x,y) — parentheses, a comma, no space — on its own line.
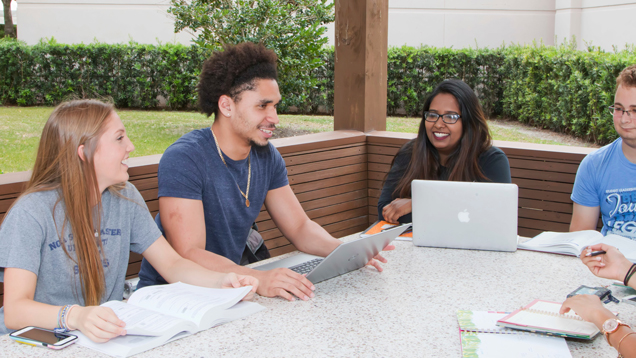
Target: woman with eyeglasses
(453,143)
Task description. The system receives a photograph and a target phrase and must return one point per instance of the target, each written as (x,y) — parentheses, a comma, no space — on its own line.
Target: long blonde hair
(59,167)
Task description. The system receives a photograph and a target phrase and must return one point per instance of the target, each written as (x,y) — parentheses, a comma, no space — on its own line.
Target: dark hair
(232,71)
(463,162)
(627,77)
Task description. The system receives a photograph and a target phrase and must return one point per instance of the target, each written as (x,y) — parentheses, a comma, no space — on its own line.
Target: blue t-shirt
(606,178)
(192,169)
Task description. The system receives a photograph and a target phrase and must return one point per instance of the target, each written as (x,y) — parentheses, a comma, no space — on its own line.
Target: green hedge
(551,87)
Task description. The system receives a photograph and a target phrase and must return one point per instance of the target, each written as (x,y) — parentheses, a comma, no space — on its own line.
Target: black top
(493,163)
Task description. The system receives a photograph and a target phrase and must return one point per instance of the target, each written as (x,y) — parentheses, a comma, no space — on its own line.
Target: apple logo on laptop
(463,216)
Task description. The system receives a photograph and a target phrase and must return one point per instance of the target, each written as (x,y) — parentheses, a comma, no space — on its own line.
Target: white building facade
(439,23)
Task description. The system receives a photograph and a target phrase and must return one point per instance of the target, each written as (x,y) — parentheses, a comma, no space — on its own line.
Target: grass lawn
(153,131)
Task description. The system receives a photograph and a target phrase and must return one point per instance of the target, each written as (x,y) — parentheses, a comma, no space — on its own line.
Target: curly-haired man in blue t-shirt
(214,181)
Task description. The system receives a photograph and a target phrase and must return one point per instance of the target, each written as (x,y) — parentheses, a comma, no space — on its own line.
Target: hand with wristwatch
(611,265)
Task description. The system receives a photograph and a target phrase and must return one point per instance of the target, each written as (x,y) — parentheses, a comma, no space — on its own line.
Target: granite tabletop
(409,310)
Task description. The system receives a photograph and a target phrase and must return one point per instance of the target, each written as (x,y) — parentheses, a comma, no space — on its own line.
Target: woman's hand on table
(612,264)
(99,324)
(589,307)
(232,280)
(396,209)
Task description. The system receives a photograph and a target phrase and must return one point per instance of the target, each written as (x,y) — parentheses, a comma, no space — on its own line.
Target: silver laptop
(347,257)
(465,215)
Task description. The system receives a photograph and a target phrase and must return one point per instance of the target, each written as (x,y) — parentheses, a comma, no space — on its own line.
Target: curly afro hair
(232,71)
(627,77)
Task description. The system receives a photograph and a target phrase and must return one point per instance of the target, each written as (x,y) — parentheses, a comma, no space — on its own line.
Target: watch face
(610,325)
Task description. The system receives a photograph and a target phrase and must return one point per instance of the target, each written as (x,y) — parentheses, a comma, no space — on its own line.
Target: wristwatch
(610,326)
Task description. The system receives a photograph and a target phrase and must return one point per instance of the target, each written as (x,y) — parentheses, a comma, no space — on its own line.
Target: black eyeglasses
(618,112)
(448,118)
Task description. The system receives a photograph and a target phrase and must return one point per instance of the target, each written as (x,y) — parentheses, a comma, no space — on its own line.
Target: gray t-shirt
(29,240)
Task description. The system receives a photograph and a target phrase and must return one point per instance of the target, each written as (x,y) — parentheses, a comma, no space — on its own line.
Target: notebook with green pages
(482,338)
(543,317)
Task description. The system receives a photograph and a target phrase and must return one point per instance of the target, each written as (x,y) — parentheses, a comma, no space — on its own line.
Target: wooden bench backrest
(337,177)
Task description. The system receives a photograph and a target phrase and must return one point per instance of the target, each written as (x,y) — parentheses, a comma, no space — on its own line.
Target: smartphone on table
(36,336)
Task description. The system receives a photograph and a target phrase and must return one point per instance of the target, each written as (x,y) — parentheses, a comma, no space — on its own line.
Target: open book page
(626,246)
(481,321)
(125,346)
(187,301)
(488,345)
(140,321)
(570,243)
(544,316)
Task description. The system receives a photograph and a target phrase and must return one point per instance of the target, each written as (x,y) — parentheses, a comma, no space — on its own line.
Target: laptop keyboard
(306,267)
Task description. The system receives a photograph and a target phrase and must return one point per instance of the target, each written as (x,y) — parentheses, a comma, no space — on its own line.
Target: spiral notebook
(482,338)
(543,317)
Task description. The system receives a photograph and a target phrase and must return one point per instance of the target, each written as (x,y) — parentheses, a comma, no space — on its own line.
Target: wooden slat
(377,175)
(326,183)
(326,164)
(375,184)
(543,185)
(547,216)
(296,159)
(322,221)
(327,173)
(544,195)
(147,183)
(377,167)
(384,150)
(545,205)
(542,175)
(378,158)
(335,190)
(543,225)
(320,203)
(543,165)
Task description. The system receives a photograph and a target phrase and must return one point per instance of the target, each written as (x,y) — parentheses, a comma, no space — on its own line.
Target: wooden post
(360,74)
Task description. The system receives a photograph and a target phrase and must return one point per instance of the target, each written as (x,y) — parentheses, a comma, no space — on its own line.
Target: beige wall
(441,23)
(108,21)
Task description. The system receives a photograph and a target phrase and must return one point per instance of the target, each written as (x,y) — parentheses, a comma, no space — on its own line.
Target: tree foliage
(294,29)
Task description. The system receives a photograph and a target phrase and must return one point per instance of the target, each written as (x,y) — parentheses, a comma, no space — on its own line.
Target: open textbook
(155,315)
(482,338)
(573,243)
(543,316)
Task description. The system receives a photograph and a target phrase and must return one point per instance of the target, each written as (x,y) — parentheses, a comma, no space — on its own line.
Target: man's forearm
(311,238)
(215,262)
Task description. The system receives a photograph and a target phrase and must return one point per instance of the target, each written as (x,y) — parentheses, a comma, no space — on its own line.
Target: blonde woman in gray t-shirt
(64,245)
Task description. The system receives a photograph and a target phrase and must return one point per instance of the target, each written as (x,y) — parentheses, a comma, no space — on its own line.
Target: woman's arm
(20,310)
(397,171)
(495,166)
(172,267)
(590,308)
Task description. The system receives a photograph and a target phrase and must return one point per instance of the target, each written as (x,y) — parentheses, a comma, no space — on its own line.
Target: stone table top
(409,310)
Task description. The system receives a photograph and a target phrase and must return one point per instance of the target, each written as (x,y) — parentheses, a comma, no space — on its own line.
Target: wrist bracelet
(62,326)
(621,341)
(629,274)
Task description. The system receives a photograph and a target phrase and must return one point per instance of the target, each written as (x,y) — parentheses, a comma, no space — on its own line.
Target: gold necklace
(249,170)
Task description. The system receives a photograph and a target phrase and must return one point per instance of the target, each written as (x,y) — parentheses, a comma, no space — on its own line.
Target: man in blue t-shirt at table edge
(214,181)
(606,179)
